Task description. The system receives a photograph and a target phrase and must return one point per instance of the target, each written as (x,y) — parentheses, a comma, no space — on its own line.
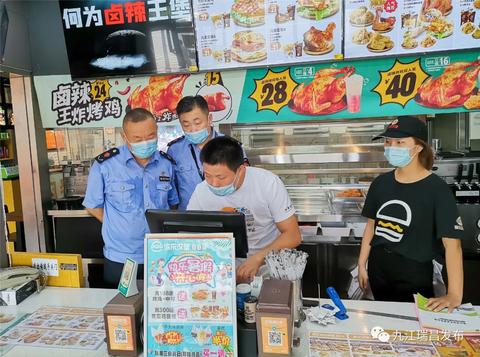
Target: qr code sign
(275,338)
(120,335)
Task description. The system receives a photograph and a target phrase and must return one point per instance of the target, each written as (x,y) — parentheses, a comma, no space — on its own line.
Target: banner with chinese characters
(246,33)
(124,38)
(190,302)
(103,103)
(429,84)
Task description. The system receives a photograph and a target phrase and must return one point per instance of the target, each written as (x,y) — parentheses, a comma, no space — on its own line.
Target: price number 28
(274,93)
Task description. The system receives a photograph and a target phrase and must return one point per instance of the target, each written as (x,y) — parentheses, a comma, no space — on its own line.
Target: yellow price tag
(100,90)
(400,83)
(274,90)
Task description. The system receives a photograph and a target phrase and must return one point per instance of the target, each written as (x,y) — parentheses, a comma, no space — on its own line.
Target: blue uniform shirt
(125,189)
(188,168)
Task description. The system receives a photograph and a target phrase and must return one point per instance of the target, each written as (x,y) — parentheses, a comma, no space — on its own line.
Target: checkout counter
(97,298)
(327,168)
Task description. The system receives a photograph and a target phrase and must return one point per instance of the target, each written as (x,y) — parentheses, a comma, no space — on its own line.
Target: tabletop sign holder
(128,281)
(190,300)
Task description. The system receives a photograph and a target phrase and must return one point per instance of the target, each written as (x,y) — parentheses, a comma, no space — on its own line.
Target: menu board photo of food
(245,33)
(398,27)
(371,27)
(468,18)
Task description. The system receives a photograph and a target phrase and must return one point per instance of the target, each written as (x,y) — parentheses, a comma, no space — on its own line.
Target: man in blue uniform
(196,122)
(122,184)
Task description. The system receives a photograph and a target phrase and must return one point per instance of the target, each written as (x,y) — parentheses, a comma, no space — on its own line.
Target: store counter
(97,298)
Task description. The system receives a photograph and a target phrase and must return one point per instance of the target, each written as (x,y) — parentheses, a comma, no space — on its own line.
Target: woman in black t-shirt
(411,214)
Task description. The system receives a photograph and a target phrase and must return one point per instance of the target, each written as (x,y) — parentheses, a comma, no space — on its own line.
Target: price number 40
(403,85)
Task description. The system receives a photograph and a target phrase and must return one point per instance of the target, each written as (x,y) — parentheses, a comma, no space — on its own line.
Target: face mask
(225,190)
(197,137)
(144,149)
(398,157)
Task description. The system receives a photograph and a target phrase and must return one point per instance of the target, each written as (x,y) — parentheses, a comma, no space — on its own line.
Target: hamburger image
(317,9)
(124,49)
(248,13)
(248,47)
(393,218)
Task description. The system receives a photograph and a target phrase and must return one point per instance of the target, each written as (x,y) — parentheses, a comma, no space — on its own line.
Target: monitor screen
(161,221)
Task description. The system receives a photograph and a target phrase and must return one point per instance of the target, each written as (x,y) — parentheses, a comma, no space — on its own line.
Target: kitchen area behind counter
(327,168)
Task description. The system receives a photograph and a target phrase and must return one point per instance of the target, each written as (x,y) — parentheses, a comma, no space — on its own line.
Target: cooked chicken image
(453,87)
(443,5)
(216,101)
(324,94)
(473,102)
(160,95)
(318,40)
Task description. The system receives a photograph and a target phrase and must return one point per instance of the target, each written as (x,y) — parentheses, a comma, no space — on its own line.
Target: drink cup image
(354,86)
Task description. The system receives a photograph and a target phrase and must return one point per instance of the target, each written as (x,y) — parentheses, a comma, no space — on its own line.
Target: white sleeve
(194,203)
(279,202)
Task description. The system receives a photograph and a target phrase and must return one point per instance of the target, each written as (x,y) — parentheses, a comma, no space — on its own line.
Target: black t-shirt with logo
(411,219)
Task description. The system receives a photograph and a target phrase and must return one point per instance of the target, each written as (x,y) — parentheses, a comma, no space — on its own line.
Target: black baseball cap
(405,127)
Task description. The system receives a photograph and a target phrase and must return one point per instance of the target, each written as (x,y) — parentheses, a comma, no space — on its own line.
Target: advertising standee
(190,299)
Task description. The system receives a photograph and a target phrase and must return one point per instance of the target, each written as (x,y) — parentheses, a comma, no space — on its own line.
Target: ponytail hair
(426,155)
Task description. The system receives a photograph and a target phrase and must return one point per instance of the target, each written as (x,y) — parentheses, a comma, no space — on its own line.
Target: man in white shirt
(232,186)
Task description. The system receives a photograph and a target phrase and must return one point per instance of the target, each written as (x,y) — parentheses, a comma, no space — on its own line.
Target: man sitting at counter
(123,183)
(230,185)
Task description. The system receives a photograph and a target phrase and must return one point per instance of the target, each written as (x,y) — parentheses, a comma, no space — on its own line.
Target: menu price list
(398,27)
(243,33)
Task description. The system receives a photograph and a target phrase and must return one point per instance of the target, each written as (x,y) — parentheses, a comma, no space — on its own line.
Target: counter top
(97,298)
(69,213)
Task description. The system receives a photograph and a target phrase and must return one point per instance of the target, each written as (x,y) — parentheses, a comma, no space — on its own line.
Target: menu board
(190,301)
(394,27)
(468,18)
(242,33)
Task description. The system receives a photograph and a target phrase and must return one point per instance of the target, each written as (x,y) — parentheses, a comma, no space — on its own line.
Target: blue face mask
(398,157)
(197,137)
(144,149)
(224,190)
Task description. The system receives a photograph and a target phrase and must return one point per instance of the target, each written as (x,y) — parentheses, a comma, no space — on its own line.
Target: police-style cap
(404,127)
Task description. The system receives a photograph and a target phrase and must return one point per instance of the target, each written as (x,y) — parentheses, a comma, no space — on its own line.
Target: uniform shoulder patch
(107,155)
(176,140)
(168,157)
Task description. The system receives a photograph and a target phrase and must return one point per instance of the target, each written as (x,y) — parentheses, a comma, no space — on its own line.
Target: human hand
(247,270)
(447,301)
(362,277)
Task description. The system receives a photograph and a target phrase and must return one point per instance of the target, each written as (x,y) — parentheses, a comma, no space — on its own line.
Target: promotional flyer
(190,295)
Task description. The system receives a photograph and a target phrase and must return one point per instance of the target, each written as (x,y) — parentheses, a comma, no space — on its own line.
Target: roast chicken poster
(393,27)
(246,33)
(431,84)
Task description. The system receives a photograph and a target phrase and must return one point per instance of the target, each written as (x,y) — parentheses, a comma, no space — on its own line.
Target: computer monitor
(161,221)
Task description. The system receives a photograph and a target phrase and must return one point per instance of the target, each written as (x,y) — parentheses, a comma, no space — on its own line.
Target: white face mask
(224,190)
